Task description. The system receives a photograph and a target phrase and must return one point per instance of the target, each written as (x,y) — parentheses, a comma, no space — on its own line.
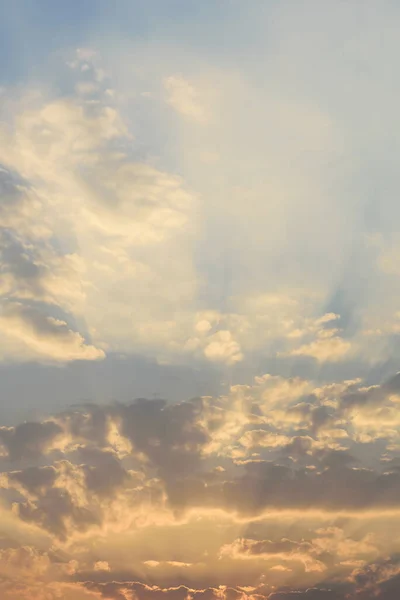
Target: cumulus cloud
(327,347)
(229,475)
(29,439)
(184,98)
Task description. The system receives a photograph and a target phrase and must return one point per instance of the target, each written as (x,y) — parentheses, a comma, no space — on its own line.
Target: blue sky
(31,30)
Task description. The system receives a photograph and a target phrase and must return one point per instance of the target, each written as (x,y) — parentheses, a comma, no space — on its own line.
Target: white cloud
(327,347)
(31,334)
(184,98)
(222,347)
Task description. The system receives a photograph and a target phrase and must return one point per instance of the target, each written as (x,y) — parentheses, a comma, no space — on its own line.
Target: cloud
(109,490)
(101,565)
(222,347)
(29,439)
(101,231)
(282,552)
(183,97)
(327,347)
(33,333)
(98,208)
(36,273)
(180,442)
(216,211)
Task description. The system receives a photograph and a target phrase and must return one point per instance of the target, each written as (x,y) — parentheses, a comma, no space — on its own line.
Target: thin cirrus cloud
(208,191)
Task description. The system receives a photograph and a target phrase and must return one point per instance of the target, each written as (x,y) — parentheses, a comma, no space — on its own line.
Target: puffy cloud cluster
(281,485)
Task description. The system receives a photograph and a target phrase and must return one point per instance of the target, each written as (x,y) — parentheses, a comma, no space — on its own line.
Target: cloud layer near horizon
(280,485)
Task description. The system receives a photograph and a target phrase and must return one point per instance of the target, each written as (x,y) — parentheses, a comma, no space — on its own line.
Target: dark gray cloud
(28,440)
(170,436)
(34,479)
(54,509)
(373,395)
(103,471)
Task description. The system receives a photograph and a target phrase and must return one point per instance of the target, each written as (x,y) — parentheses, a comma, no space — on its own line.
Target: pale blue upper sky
(31,29)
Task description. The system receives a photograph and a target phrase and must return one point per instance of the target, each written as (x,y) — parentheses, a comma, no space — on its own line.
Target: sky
(199,300)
